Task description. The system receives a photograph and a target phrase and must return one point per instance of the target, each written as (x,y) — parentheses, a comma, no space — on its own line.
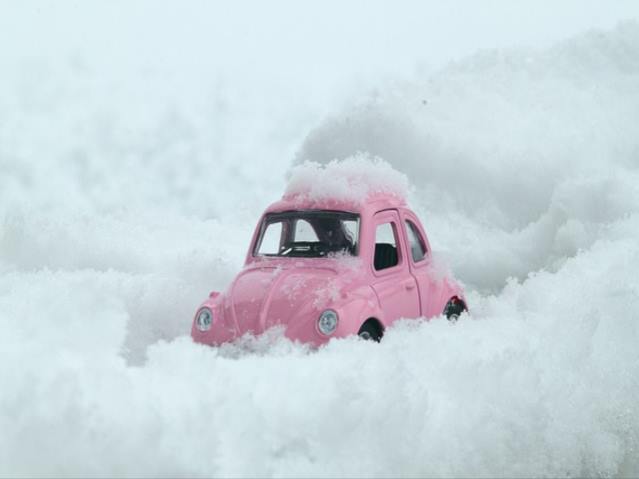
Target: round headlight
(327,322)
(204,319)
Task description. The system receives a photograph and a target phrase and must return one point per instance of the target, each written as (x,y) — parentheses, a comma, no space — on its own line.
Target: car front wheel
(370,331)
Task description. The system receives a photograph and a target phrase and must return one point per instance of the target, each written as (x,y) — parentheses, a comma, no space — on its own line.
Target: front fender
(355,312)
(222,329)
(353,308)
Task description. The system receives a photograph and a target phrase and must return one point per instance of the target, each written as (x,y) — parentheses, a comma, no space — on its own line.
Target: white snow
(127,195)
(354,179)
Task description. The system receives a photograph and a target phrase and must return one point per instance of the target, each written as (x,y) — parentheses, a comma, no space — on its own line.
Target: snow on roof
(355,180)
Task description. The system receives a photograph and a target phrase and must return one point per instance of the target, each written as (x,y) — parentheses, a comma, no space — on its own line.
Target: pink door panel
(420,264)
(393,282)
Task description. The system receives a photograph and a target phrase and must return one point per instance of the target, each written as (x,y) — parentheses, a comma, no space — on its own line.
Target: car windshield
(308,234)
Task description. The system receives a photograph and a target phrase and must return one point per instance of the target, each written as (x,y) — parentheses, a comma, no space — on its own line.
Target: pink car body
(366,288)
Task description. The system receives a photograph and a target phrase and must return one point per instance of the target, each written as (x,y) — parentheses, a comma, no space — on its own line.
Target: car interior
(385,256)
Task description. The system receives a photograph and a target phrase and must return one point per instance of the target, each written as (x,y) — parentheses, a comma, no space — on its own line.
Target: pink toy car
(328,269)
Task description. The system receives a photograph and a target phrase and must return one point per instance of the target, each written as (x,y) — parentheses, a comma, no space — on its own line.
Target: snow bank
(355,179)
(543,382)
(119,213)
(525,153)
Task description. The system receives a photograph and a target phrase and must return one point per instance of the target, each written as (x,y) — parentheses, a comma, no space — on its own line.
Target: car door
(393,282)
(420,264)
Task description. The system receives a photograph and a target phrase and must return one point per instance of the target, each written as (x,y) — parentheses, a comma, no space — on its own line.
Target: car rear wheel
(370,331)
(454,308)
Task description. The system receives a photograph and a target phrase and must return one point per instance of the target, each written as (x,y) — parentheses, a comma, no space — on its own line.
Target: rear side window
(385,247)
(417,244)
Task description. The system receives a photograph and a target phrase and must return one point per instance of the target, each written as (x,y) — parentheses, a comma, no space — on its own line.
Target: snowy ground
(125,199)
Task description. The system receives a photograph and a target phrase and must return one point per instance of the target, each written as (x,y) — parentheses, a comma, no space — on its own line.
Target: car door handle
(410,285)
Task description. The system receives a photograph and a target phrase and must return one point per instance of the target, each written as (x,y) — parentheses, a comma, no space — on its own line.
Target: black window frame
(283,216)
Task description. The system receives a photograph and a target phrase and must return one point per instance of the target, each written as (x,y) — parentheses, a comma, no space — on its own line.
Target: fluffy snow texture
(117,218)
(353,180)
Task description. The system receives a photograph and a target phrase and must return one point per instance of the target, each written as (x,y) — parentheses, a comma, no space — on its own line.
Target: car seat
(385,256)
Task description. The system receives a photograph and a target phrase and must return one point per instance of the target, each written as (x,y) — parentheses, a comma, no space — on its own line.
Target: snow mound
(526,153)
(356,179)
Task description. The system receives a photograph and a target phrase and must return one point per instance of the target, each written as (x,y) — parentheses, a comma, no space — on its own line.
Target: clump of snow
(295,288)
(355,179)
(346,262)
(327,294)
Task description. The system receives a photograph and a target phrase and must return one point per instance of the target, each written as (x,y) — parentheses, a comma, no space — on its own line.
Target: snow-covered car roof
(358,184)
(370,204)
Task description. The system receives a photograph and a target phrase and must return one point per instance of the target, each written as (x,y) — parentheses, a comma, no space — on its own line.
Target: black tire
(370,331)
(454,308)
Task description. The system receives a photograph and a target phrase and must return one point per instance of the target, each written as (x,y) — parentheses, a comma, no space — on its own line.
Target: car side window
(386,254)
(417,244)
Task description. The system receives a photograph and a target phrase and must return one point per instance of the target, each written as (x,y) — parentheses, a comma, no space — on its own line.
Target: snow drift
(525,166)
(527,153)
